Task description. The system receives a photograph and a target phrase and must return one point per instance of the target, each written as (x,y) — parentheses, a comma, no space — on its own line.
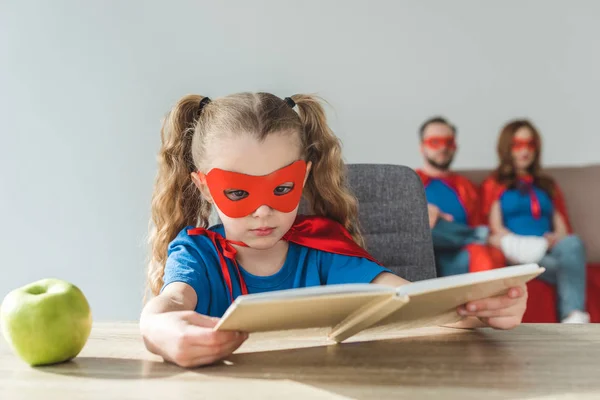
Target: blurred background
(84,86)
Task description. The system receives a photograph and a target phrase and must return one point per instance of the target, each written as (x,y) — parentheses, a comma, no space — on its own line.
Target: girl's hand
(187,339)
(501,312)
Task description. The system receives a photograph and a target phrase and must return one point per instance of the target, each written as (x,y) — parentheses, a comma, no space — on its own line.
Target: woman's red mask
(520,144)
(255,191)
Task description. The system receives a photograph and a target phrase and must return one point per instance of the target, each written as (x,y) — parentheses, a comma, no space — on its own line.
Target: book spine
(366,316)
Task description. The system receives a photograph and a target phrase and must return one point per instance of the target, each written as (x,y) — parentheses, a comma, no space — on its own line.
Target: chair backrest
(393,218)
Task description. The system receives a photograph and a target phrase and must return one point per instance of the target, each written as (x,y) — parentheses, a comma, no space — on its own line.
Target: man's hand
(435,213)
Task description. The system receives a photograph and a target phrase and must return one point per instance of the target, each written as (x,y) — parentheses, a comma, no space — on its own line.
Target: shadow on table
(113,368)
(471,362)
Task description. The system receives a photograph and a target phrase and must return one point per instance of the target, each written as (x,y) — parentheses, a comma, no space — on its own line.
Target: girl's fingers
(199,336)
(492,303)
(514,296)
(502,322)
(195,318)
(230,348)
(208,355)
(515,311)
(517,291)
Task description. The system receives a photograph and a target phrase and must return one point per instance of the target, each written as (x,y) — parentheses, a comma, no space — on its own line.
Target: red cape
(465,190)
(491,190)
(315,232)
(481,257)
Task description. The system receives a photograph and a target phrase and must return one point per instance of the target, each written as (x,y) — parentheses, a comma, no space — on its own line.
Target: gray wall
(84,84)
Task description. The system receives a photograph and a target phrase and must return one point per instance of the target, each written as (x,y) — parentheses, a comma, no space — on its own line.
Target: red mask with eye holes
(440,142)
(519,144)
(258,190)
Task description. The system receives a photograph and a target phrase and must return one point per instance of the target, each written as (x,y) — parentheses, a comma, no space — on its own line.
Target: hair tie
(290,102)
(201,105)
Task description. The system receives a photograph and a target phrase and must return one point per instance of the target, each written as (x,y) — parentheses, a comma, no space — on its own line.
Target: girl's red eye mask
(238,195)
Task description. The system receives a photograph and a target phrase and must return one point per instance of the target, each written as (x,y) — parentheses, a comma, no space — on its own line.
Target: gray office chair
(393,218)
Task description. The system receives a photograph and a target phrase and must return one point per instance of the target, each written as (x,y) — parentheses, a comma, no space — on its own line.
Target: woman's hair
(506,172)
(187,134)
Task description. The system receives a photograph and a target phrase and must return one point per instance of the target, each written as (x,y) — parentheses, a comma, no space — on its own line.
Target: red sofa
(581,187)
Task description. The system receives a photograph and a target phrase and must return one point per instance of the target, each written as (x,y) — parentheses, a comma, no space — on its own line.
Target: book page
(430,305)
(435,284)
(314,291)
(297,312)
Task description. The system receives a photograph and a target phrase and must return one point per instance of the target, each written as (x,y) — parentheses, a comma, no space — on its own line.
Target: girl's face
(244,154)
(523,148)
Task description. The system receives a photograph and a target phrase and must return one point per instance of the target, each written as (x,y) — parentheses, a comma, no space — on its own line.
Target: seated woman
(518,199)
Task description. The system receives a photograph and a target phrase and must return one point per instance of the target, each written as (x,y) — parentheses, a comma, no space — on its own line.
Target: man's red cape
(481,257)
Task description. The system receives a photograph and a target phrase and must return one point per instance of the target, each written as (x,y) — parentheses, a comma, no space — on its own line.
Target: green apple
(46,322)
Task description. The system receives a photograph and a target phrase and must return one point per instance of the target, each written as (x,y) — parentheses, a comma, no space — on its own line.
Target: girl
(251,157)
(519,199)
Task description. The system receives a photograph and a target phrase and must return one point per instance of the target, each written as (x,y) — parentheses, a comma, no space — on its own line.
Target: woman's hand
(553,238)
(187,338)
(500,312)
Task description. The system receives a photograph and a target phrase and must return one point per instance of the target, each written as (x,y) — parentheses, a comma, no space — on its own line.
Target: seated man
(460,241)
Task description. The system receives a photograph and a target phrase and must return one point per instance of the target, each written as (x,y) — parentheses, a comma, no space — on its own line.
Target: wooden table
(532,361)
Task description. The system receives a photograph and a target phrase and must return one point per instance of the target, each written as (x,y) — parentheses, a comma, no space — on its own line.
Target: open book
(351,308)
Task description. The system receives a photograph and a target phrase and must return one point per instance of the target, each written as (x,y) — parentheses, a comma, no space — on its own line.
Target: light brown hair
(186,137)
(506,172)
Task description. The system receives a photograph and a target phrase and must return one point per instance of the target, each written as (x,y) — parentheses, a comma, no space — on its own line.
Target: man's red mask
(238,195)
(440,142)
(520,144)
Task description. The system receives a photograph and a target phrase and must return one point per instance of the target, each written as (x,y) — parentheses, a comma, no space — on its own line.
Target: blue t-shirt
(517,215)
(446,198)
(194,260)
